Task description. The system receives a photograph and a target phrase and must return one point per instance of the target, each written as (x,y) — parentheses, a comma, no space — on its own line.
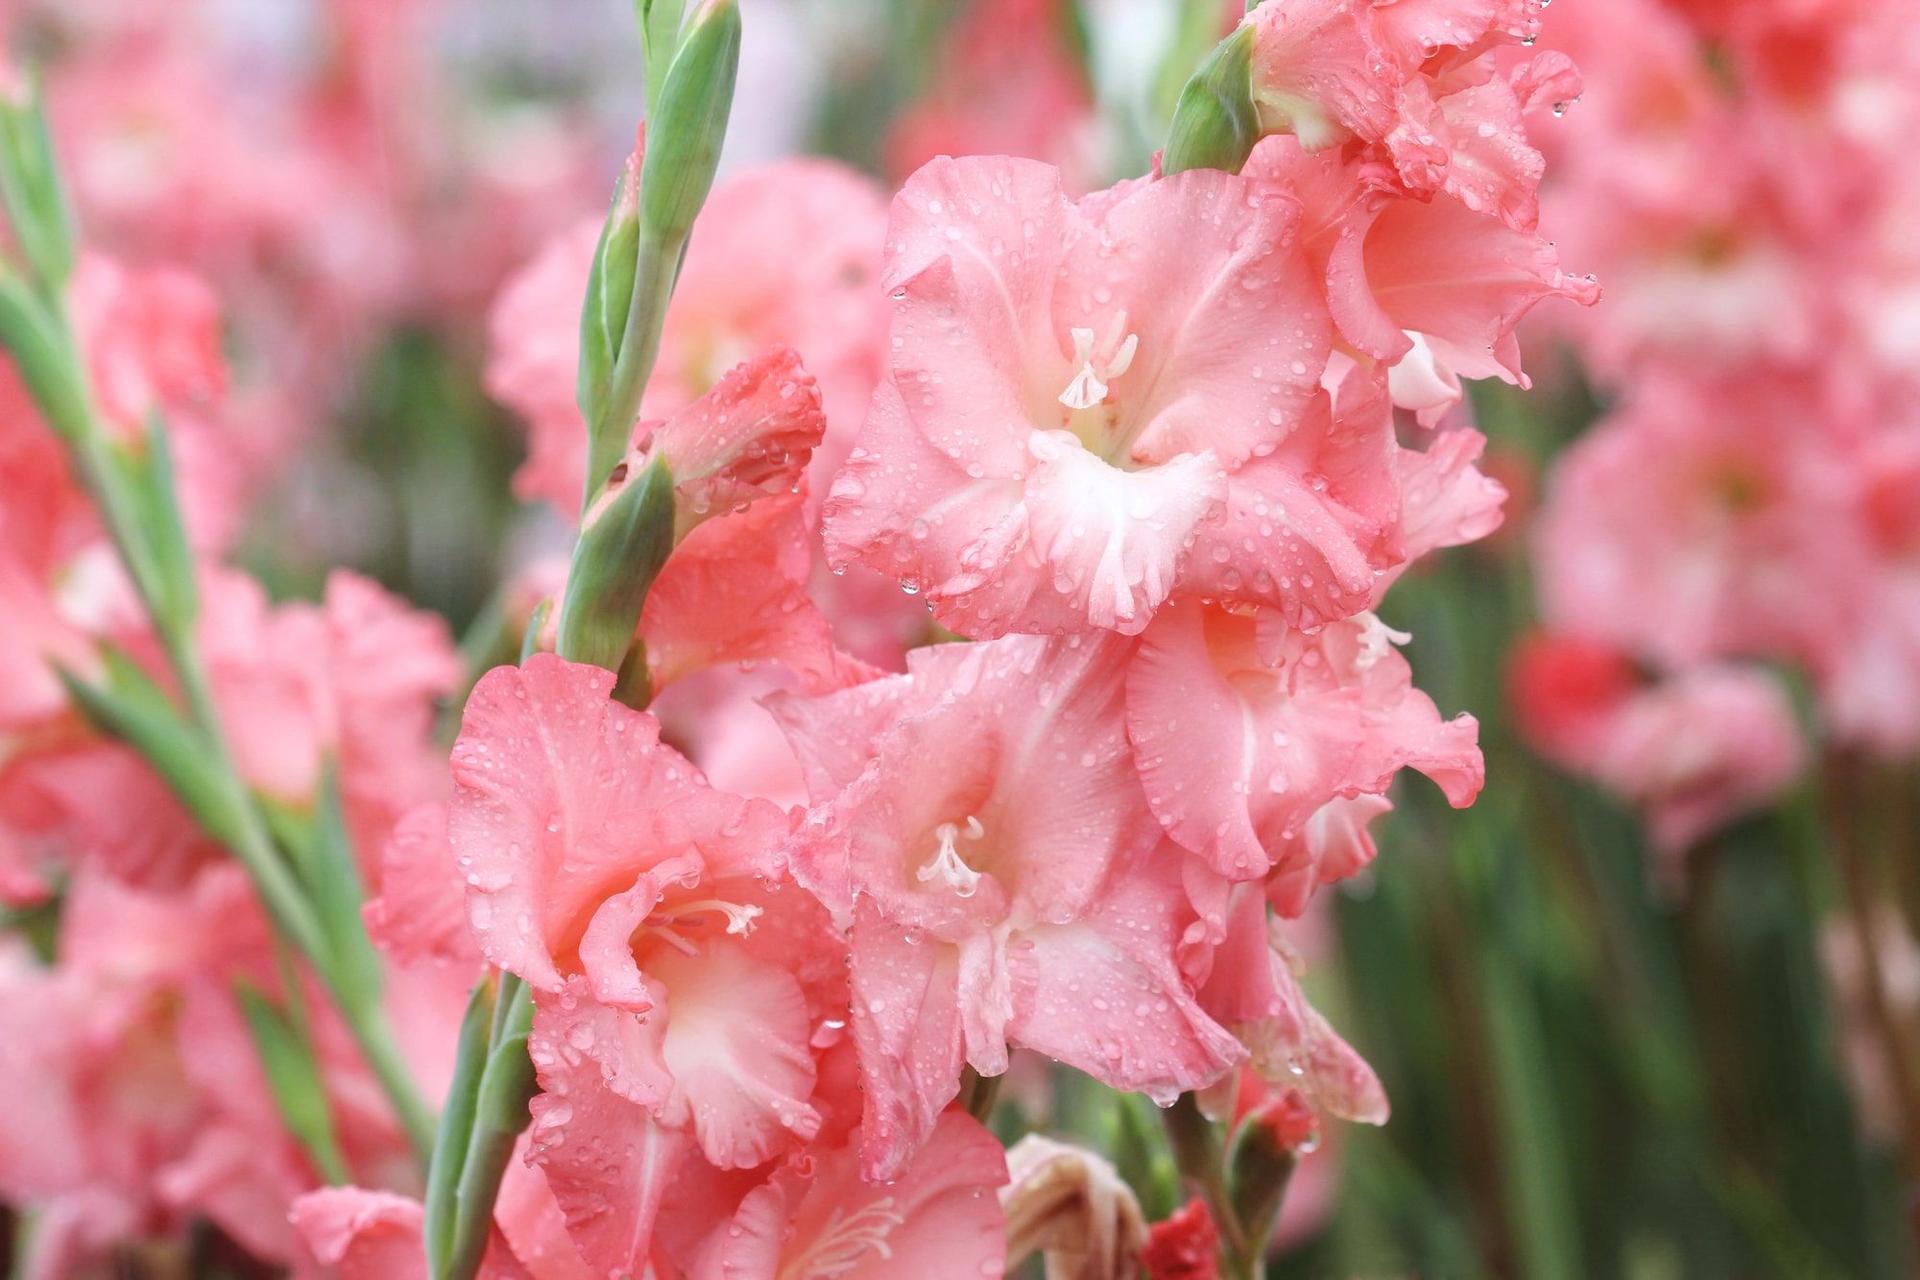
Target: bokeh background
(1651,1008)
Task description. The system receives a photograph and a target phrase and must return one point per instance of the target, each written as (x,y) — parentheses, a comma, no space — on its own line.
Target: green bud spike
(1215,125)
(614,564)
(659,36)
(293,1077)
(604,313)
(688,124)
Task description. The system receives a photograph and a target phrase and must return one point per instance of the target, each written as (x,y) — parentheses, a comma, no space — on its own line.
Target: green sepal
(536,623)
(293,1076)
(1258,1171)
(456,1127)
(659,36)
(500,1113)
(151,480)
(605,310)
(614,565)
(1215,125)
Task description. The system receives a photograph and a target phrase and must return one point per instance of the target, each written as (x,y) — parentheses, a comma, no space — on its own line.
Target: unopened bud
(609,301)
(1266,1148)
(1214,124)
(690,121)
(1071,1206)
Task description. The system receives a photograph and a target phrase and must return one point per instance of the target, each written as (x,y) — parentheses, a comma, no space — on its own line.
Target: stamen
(1092,383)
(740,916)
(843,1243)
(947,864)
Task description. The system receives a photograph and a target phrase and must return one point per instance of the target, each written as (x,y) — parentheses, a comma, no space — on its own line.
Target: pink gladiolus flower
(1408,80)
(679,985)
(747,437)
(980,825)
(1693,751)
(1058,443)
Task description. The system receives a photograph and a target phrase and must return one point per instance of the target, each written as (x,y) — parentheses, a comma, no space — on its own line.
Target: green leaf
(132,708)
(294,1077)
(332,878)
(30,186)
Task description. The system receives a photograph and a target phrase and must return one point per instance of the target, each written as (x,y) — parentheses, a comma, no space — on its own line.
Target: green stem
(1198,1153)
(655,271)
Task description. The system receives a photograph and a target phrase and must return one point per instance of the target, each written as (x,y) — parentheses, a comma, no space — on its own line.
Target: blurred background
(1651,1008)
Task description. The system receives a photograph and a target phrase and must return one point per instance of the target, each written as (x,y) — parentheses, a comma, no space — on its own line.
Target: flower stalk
(132,486)
(692,62)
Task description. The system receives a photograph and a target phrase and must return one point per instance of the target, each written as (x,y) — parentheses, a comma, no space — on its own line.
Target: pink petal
(1103,993)
(906,1020)
(562,797)
(735,592)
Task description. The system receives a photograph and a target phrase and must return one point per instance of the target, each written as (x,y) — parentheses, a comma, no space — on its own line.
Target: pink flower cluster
(1737,173)
(1014,682)
(1138,455)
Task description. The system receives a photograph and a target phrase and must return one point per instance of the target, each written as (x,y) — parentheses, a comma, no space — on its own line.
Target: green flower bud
(1215,124)
(689,122)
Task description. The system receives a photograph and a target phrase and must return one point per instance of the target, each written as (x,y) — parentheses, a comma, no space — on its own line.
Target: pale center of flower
(844,1241)
(1101,359)
(946,865)
(665,923)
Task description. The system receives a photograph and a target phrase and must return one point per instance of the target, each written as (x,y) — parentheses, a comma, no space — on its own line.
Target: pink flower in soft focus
(786,255)
(1008,81)
(1704,520)
(1870,690)
(1564,690)
(1247,731)
(1693,751)
(143,1102)
(1700,749)
(1092,405)
(816,1216)
(980,825)
(353,680)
